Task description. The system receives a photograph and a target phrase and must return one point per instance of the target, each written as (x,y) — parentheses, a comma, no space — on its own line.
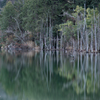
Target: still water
(49,76)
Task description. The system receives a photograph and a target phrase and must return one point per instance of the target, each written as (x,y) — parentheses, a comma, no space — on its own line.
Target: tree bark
(92,38)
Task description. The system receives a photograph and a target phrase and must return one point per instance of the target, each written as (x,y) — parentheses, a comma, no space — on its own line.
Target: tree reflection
(42,75)
(84,77)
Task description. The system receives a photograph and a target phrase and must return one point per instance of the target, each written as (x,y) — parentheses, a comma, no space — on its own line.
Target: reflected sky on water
(49,76)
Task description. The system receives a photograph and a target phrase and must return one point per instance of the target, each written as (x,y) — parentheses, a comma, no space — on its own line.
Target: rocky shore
(19,46)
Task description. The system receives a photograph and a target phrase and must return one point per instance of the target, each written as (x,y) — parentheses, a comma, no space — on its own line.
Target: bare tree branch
(17,24)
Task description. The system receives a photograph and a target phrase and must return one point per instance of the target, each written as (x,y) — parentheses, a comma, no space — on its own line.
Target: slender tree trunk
(95,32)
(87,46)
(85,30)
(41,43)
(41,37)
(78,33)
(50,65)
(98,64)
(78,39)
(73,45)
(61,59)
(47,30)
(54,43)
(95,26)
(57,43)
(81,42)
(92,38)
(95,67)
(41,62)
(92,66)
(98,33)
(57,57)
(78,66)
(81,62)
(61,42)
(87,61)
(45,43)
(50,34)
(64,43)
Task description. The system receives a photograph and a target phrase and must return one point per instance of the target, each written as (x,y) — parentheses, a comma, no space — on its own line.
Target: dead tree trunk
(98,33)
(81,41)
(61,42)
(50,34)
(92,38)
(95,35)
(57,43)
(95,32)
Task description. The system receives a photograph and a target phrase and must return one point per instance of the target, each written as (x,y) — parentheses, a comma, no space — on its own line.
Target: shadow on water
(49,76)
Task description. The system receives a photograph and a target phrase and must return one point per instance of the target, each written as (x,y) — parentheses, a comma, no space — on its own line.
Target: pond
(49,76)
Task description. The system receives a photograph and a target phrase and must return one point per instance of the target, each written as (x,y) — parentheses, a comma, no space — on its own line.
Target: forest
(50,25)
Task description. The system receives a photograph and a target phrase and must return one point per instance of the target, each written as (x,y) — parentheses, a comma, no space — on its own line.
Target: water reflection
(85,76)
(49,76)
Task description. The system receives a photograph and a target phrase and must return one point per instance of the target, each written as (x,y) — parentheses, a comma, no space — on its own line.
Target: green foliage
(31,14)
(36,12)
(6,20)
(69,28)
(35,15)
(91,14)
(89,3)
